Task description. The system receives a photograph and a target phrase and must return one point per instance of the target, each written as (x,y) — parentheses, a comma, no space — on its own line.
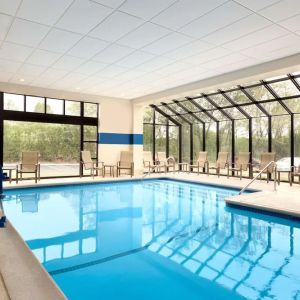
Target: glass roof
(275,96)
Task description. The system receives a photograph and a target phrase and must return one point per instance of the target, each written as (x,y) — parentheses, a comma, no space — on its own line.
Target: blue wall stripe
(120,138)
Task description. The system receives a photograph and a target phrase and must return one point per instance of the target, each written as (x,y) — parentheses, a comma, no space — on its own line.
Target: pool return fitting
(2,214)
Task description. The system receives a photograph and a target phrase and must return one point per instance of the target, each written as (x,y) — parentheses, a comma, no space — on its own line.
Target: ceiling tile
(223,61)
(23,79)
(43,58)
(143,35)
(184,11)
(14,52)
(52,74)
(112,71)
(168,43)
(171,68)
(281,10)
(67,63)
(59,40)
(90,67)
(256,38)
(26,33)
(9,66)
(134,59)
(264,50)
(113,53)
(110,3)
(5,76)
(237,29)
(87,47)
(5,23)
(145,9)
(89,13)
(45,12)
(154,64)
(292,23)
(9,6)
(207,56)
(31,70)
(116,26)
(189,50)
(217,19)
(257,4)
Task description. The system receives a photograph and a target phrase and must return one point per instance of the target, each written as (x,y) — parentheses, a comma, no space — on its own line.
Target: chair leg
(36,176)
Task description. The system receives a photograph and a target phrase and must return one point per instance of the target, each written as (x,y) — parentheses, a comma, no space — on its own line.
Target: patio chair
(295,173)
(265,159)
(29,164)
(148,161)
(165,162)
(89,164)
(200,163)
(241,164)
(125,162)
(221,163)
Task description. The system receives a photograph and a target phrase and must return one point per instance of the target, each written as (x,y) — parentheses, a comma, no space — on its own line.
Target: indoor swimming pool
(156,239)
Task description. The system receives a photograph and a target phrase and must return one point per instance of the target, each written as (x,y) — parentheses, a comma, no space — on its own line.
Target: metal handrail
(265,167)
(150,171)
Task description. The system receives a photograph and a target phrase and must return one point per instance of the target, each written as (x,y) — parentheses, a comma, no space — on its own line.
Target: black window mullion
(217,106)
(274,94)
(188,111)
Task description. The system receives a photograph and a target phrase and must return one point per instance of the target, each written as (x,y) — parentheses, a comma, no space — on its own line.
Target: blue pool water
(156,239)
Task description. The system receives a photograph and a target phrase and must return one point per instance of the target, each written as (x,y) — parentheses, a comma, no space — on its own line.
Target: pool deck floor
(17,261)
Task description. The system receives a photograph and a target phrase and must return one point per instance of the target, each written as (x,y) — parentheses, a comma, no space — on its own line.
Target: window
(211,136)
(58,145)
(14,102)
(72,108)
(90,110)
(35,104)
(54,106)
(197,140)
(148,137)
(174,142)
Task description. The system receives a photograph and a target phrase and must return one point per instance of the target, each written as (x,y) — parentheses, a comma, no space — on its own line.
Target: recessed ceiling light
(78,88)
(22,79)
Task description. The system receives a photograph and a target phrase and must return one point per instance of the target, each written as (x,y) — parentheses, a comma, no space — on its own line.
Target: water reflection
(254,255)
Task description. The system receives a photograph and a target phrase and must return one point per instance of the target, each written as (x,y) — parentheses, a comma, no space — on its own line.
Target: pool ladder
(259,174)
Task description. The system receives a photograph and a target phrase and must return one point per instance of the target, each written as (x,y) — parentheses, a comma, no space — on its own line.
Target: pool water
(156,239)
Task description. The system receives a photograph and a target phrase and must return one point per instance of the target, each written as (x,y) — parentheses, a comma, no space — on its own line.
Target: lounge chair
(200,163)
(148,161)
(125,162)
(89,164)
(165,162)
(295,173)
(29,164)
(241,164)
(265,159)
(221,163)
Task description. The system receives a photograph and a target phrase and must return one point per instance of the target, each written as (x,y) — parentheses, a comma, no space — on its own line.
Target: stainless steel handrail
(265,167)
(150,171)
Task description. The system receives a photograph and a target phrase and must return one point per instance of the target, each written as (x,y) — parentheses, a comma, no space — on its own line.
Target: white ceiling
(130,48)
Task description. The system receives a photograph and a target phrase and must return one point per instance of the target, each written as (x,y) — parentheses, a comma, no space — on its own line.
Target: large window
(58,129)
(263,116)
(58,146)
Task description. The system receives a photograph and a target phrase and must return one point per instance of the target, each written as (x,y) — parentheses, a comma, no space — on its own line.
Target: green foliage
(53,141)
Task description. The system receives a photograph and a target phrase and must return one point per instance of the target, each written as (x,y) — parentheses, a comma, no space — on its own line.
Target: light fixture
(78,88)
(22,79)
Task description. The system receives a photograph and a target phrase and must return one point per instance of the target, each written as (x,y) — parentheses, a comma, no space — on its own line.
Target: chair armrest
(172,159)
